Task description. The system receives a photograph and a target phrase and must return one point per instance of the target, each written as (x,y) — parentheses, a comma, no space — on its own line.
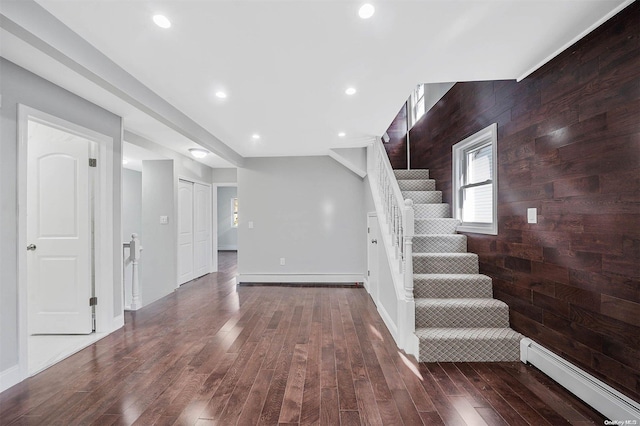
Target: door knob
(374,241)
(31,247)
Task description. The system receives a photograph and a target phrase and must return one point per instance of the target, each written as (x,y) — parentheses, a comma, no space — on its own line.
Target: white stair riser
(423,197)
(417,185)
(412,174)
(470,286)
(436,226)
(466,263)
(440,244)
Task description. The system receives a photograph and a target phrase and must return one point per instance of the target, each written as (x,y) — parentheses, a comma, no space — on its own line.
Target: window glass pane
(419,110)
(478,204)
(234,217)
(420,91)
(479,165)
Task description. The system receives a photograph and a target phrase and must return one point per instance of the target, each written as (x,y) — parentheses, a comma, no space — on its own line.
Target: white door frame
(214,219)
(373,258)
(103,229)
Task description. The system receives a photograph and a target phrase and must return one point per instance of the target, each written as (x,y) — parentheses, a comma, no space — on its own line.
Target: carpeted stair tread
(431,211)
(411,174)
(452,285)
(423,197)
(417,184)
(468,344)
(445,263)
(461,313)
(440,243)
(423,226)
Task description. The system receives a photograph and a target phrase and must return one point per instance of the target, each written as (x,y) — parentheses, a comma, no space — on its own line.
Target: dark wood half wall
(569,145)
(397,145)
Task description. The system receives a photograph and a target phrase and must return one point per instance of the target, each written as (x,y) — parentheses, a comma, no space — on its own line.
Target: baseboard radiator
(602,397)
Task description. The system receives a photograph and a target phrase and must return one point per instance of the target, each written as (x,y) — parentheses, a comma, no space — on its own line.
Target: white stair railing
(395,216)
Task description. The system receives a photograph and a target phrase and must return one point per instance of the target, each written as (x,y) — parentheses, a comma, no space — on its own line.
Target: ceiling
(285,65)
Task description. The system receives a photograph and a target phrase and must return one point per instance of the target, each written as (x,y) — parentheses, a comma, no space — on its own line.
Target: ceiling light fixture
(162,21)
(221,95)
(366,11)
(255,136)
(350,91)
(198,152)
(342,134)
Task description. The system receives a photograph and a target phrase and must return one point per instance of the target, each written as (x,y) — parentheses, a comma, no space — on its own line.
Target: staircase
(456,319)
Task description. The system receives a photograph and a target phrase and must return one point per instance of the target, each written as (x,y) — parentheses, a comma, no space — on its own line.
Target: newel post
(134,255)
(408,249)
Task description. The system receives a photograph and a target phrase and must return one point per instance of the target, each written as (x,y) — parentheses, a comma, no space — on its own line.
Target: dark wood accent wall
(569,145)
(397,145)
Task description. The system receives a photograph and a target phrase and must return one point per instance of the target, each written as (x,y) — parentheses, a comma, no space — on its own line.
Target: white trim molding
(10,377)
(301,278)
(602,397)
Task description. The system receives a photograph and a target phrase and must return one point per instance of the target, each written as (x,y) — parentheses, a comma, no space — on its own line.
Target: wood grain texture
(397,145)
(568,145)
(213,353)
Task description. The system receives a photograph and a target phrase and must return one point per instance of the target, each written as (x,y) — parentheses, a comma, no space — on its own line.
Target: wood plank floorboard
(212,353)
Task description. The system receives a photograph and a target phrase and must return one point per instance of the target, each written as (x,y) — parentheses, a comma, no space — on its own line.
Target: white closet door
(185,232)
(202,229)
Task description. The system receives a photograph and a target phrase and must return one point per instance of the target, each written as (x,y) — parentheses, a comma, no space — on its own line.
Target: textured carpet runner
(457,318)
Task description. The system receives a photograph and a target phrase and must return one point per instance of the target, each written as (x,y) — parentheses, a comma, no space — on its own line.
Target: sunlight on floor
(411,365)
(46,350)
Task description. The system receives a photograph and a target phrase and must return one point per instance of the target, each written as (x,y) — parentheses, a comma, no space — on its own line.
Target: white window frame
(233,211)
(413,102)
(488,134)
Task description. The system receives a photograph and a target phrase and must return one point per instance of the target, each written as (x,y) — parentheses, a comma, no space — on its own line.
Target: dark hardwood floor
(212,353)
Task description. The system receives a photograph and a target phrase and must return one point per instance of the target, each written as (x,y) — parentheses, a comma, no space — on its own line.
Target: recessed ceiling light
(125,161)
(350,91)
(198,152)
(342,134)
(162,21)
(255,136)
(366,11)
(221,95)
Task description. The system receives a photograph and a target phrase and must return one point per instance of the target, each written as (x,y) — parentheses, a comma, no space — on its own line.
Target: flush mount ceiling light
(221,95)
(342,134)
(350,91)
(366,11)
(198,152)
(255,136)
(162,21)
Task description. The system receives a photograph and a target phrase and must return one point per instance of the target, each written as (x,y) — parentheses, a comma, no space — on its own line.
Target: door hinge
(368,273)
(368,230)
(93,162)
(93,301)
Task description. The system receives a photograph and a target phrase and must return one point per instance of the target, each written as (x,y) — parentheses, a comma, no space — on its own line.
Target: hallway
(213,353)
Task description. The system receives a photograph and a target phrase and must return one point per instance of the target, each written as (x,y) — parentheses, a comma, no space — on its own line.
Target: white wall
(18,86)
(308,210)
(159,259)
(131,204)
(227,235)
(225,175)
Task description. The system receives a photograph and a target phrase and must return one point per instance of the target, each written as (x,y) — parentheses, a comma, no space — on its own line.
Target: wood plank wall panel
(569,145)
(397,145)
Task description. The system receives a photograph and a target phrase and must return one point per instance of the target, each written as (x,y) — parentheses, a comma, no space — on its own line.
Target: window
(475,182)
(416,105)
(234,212)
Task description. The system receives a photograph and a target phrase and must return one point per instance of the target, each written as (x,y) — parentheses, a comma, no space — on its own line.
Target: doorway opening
(65,254)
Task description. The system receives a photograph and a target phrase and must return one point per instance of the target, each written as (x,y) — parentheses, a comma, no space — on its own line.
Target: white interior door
(202,229)
(185,232)
(58,232)
(372,256)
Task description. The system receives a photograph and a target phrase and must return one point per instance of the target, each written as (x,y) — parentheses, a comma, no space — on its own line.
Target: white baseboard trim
(227,248)
(10,377)
(388,321)
(301,278)
(599,395)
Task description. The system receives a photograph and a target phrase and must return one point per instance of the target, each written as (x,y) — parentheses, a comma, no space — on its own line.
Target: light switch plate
(250,225)
(532,215)
(164,220)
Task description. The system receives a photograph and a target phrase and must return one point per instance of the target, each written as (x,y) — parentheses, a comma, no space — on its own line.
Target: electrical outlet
(532,215)
(164,220)
(282,261)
